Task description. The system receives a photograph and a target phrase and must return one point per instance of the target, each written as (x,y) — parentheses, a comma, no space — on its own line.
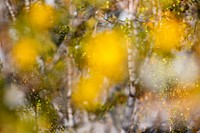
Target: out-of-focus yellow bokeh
(43,122)
(168,34)
(106,54)
(88,92)
(24,53)
(166,3)
(91,23)
(41,16)
(98,3)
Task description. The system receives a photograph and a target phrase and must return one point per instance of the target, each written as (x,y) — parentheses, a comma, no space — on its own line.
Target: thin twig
(11,11)
(27,5)
(128,124)
(69,92)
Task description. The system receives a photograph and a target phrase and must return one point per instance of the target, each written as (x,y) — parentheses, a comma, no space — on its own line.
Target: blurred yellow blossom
(106,54)
(168,34)
(41,16)
(24,53)
(88,92)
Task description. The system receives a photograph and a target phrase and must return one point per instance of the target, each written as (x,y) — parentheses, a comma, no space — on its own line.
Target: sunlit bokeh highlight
(24,53)
(88,92)
(41,16)
(168,34)
(106,53)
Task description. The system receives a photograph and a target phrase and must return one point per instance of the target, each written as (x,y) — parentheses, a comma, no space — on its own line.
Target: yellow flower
(24,53)
(168,34)
(106,54)
(41,16)
(88,92)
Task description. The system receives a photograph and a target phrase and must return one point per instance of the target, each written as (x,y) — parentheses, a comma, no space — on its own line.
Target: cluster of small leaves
(59,34)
